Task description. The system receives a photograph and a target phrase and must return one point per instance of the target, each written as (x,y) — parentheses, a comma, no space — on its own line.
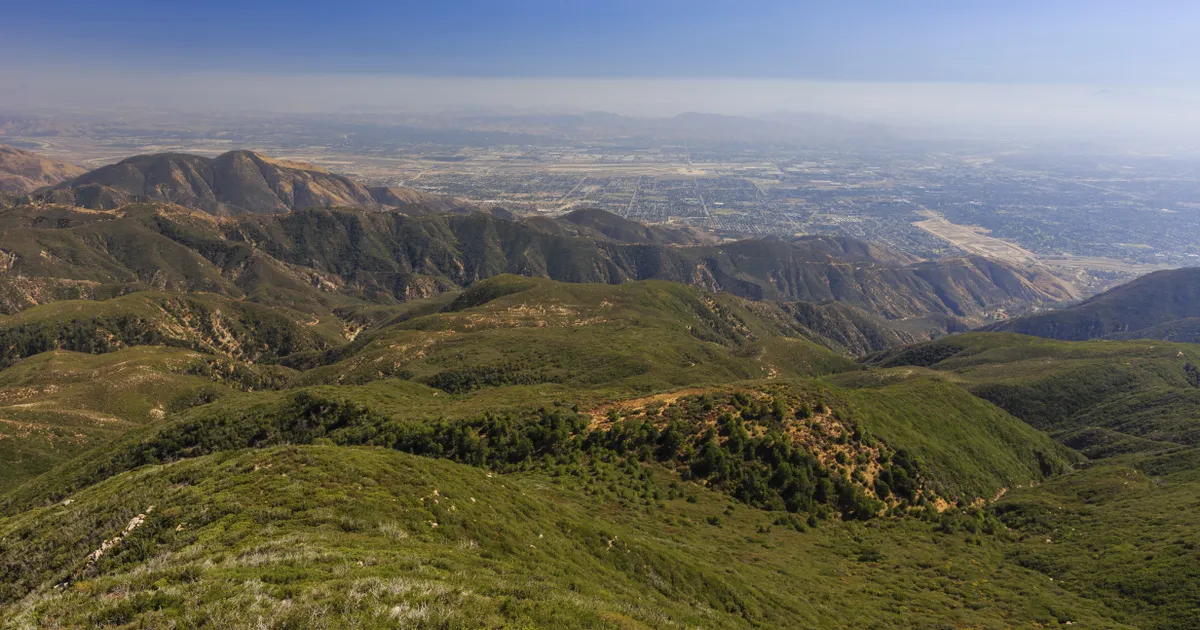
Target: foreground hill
(365,537)
(1162,305)
(320,259)
(23,172)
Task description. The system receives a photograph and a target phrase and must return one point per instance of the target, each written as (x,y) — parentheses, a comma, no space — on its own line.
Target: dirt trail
(600,414)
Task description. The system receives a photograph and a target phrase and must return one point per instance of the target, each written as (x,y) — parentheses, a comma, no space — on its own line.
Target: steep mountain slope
(413,201)
(23,172)
(237,182)
(851,249)
(1162,305)
(340,261)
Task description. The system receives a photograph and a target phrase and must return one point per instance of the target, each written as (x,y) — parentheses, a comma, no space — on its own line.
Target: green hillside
(1122,533)
(1101,397)
(1162,305)
(640,336)
(207,323)
(361,537)
(58,404)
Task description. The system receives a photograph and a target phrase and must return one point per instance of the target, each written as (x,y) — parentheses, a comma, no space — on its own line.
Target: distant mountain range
(1163,305)
(304,259)
(23,172)
(787,127)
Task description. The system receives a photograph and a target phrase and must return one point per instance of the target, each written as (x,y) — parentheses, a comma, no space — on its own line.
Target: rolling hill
(502,346)
(362,537)
(1103,398)
(1162,305)
(23,172)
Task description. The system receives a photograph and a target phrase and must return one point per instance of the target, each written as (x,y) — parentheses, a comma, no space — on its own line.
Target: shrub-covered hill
(639,336)
(58,404)
(203,322)
(319,259)
(1101,397)
(517,344)
(1123,532)
(360,537)
(665,456)
(1162,305)
(803,446)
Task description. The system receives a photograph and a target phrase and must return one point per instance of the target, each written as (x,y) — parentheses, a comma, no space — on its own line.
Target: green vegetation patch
(359,537)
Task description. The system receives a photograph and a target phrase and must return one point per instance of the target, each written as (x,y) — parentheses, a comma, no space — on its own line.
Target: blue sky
(1013,41)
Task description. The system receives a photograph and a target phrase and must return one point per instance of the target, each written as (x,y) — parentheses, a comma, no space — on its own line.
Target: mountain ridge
(1161,305)
(313,256)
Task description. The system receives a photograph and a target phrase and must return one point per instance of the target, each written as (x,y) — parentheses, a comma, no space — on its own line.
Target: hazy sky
(1021,41)
(1091,62)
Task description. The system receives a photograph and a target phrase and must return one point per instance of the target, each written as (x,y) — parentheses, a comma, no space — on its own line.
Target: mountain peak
(235,182)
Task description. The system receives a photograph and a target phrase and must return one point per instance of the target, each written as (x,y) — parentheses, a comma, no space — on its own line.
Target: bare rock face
(22,172)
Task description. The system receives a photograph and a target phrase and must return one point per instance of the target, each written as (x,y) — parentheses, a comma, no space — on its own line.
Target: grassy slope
(512,345)
(639,336)
(254,539)
(965,447)
(967,443)
(343,537)
(1121,532)
(1139,394)
(58,404)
